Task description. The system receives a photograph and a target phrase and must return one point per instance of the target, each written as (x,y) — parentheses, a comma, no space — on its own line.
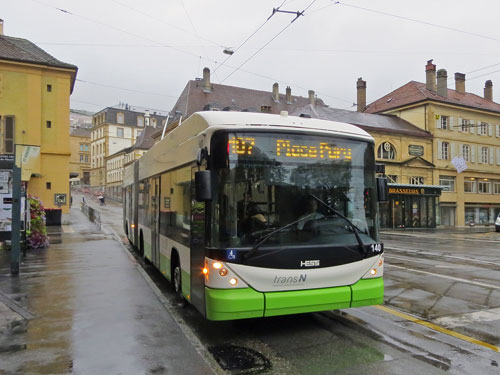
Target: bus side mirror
(203,186)
(382,189)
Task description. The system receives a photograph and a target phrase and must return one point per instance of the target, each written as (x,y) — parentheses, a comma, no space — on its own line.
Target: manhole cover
(239,360)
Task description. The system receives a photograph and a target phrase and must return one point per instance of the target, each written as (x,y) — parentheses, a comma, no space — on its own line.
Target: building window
(48,185)
(470,186)
(445,122)
(496,187)
(86,158)
(81,158)
(120,132)
(140,121)
(49,88)
(416,180)
(484,187)
(448,182)
(483,128)
(392,179)
(466,152)
(139,132)
(49,124)
(465,125)
(445,150)
(8,141)
(120,118)
(386,151)
(153,122)
(484,155)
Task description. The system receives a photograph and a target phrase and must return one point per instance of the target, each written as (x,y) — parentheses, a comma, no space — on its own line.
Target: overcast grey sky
(156,46)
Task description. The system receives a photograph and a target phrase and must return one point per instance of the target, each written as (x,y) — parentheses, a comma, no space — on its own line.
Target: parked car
(497,223)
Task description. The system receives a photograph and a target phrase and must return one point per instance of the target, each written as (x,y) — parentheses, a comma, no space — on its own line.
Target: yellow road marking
(67,229)
(438,328)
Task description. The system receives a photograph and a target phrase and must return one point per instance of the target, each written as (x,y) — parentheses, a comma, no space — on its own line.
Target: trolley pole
(15,239)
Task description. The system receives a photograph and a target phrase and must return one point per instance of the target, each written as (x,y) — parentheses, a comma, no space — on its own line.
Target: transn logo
(309,263)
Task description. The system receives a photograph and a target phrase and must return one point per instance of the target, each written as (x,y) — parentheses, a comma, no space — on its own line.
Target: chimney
(276,92)
(460,83)
(312,99)
(488,90)
(361,88)
(430,76)
(1,26)
(442,83)
(288,95)
(207,87)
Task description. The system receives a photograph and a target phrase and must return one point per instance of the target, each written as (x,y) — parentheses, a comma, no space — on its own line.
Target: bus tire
(141,246)
(176,275)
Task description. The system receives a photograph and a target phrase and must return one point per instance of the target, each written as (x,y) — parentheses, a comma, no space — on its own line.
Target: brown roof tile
(414,92)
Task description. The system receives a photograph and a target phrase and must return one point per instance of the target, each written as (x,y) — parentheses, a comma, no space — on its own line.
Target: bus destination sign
(292,149)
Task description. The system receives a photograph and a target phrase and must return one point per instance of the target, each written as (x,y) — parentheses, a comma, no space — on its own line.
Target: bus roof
(244,119)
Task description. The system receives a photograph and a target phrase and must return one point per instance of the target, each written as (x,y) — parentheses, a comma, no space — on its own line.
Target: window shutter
(438,121)
(461,150)
(452,150)
(440,150)
(472,126)
(460,122)
(491,156)
(498,130)
(452,124)
(473,153)
(490,129)
(498,155)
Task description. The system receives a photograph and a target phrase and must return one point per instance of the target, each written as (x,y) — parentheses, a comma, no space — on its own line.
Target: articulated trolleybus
(256,215)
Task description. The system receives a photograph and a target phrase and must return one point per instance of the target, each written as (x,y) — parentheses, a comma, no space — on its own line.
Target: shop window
(470,186)
(466,152)
(496,187)
(484,155)
(416,180)
(448,182)
(484,187)
(392,179)
(386,151)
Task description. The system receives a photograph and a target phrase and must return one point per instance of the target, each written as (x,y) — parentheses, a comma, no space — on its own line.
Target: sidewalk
(81,306)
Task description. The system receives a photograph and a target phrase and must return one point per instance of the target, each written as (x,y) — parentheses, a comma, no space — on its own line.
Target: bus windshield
(267,182)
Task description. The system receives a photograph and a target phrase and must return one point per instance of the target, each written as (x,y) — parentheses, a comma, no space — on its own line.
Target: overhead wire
(125,89)
(266,44)
(246,40)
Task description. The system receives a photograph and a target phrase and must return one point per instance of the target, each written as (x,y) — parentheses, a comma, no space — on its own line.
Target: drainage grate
(238,360)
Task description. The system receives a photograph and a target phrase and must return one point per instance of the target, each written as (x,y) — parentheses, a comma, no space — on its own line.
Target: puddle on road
(239,360)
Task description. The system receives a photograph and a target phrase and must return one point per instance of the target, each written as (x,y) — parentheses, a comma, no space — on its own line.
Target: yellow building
(466,142)
(34,113)
(80,156)
(113,129)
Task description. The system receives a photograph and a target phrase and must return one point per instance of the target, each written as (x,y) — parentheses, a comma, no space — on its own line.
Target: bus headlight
(373,271)
(217,265)
(223,272)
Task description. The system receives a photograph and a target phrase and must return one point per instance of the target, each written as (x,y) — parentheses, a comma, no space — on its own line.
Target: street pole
(15,239)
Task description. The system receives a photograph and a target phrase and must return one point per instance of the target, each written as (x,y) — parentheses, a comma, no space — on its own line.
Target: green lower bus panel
(229,304)
(304,301)
(368,292)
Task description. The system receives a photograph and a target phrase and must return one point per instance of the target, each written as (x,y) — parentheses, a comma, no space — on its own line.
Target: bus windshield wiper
(351,224)
(269,235)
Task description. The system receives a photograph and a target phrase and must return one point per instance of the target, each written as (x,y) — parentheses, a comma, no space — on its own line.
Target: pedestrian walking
(83,198)
(101,199)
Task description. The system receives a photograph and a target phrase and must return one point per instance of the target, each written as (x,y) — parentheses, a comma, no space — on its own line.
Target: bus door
(197,248)
(155,221)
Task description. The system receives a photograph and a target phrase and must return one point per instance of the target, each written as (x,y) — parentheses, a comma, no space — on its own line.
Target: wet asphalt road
(449,279)
(94,312)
